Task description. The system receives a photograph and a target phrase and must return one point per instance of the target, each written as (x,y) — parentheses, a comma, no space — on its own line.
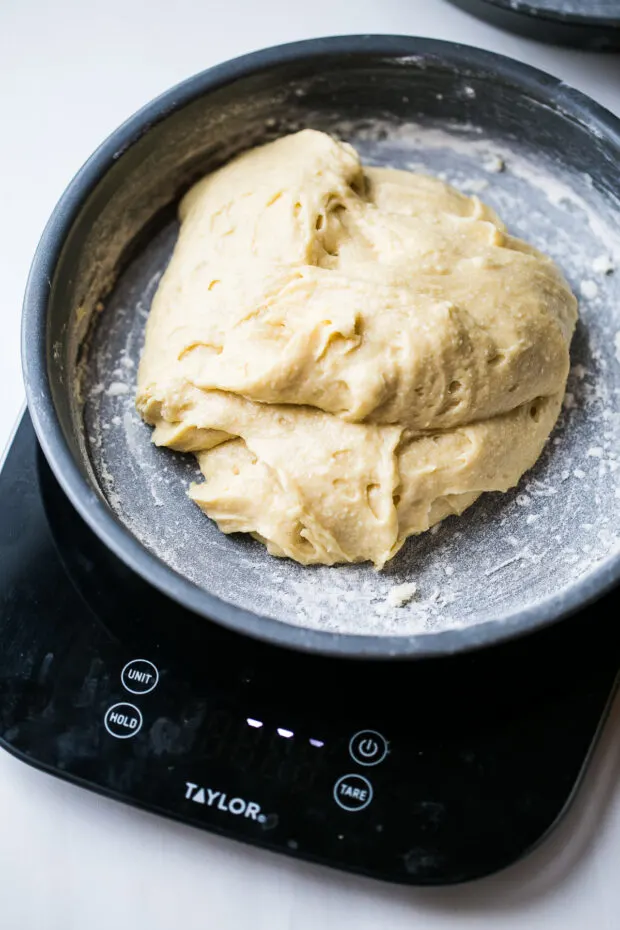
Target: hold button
(123,720)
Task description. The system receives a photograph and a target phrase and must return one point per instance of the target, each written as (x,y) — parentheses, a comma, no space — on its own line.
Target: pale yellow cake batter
(352,353)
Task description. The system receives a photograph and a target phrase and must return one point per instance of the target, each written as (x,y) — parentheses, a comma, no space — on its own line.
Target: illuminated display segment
(281,731)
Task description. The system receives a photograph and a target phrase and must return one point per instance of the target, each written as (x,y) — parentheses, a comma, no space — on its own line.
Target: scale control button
(353,792)
(122,720)
(140,676)
(368,747)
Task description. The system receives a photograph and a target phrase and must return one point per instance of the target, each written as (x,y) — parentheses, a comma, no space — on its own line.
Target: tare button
(139,676)
(368,747)
(123,720)
(353,792)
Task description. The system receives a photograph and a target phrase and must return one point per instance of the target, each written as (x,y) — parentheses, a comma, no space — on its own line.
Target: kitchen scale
(591,24)
(427,772)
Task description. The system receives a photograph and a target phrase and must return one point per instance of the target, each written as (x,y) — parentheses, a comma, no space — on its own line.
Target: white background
(71,70)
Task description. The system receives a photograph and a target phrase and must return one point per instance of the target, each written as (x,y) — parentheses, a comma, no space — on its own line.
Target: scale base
(423,773)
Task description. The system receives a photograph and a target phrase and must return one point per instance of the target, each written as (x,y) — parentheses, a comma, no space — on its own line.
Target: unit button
(139,676)
(122,720)
(368,747)
(353,792)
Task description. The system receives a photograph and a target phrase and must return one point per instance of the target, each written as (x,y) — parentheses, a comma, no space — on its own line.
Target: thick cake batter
(352,354)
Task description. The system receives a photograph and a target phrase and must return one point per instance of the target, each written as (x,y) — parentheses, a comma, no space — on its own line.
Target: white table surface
(71,71)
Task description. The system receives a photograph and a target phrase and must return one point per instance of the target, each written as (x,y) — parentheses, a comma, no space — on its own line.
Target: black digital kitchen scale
(592,24)
(427,772)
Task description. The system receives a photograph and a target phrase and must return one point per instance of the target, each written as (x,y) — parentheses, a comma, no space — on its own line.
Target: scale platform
(423,773)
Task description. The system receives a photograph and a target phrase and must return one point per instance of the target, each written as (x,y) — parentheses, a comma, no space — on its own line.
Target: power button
(368,747)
